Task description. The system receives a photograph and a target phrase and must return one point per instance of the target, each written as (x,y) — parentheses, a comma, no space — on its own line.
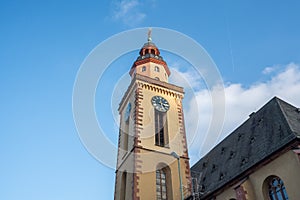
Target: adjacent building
(257,161)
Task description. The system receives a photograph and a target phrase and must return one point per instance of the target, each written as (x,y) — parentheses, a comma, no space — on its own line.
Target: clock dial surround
(160,103)
(127,112)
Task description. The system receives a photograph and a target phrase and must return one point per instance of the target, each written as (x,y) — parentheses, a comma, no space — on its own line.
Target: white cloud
(240,102)
(128,12)
(269,70)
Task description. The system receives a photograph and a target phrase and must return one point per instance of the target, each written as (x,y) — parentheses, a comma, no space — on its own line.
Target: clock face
(127,112)
(160,103)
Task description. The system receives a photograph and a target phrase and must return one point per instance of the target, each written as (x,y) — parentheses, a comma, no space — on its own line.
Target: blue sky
(255,45)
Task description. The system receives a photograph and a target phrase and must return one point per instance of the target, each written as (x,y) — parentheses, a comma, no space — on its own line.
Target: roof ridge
(283,105)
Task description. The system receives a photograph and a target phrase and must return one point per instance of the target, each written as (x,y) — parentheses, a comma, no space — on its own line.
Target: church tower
(152,160)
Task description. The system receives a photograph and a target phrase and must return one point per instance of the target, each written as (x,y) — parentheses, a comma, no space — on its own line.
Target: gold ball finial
(149,34)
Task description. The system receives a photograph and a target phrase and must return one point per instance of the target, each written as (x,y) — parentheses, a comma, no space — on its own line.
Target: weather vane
(149,34)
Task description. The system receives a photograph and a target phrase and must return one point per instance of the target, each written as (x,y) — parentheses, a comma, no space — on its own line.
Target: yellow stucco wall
(148,133)
(286,167)
(150,71)
(149,163)
(149,155)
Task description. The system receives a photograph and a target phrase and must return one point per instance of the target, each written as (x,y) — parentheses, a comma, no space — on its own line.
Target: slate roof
(270,129)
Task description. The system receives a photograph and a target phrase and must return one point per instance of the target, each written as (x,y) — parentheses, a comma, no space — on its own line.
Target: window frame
(161,184)
(161,128)
(275,188)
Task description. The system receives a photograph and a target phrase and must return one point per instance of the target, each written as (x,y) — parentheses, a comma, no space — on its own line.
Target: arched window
(161,129)
(163,182)
(123,186)
(276,188)
(143,68)
(125,136)
(161,185)
(156,69)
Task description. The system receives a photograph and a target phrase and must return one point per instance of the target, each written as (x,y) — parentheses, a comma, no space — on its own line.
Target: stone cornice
(165,85)
(147,60)
(154,84)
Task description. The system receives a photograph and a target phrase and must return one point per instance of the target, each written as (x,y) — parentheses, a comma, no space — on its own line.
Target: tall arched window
(123,186)
(276,188)
(161,129)
(125,136)
(163,182)
(161,185)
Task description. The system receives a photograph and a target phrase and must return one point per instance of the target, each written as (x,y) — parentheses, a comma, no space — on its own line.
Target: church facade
(153,161)
(260,160)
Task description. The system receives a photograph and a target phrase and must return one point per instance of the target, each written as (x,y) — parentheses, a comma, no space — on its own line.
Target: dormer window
(143,68)
(156,69)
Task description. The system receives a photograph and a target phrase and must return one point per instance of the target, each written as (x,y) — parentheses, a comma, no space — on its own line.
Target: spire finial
(149,34)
